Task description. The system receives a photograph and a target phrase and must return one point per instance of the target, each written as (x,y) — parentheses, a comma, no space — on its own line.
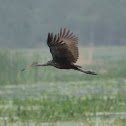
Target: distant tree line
(26,23)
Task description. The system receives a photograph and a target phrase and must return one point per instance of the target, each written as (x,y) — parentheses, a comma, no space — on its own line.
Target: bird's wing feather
(63,46)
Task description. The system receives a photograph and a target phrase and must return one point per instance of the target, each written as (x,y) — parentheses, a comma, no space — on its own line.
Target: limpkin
(64,50)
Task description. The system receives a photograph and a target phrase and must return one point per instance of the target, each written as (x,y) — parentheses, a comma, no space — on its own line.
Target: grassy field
(46,96)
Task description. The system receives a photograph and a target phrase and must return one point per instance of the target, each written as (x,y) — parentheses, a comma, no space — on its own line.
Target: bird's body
(64,50)
(61,65)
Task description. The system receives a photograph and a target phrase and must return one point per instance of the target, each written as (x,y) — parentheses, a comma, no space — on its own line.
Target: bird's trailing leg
(87,72)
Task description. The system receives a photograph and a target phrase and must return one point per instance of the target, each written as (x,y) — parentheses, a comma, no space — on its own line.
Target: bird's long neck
(42,64)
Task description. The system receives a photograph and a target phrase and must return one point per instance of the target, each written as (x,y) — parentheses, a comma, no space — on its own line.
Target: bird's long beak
(27,67)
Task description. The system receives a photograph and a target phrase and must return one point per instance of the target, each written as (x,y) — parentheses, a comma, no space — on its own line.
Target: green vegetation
(63,97)
(108,62)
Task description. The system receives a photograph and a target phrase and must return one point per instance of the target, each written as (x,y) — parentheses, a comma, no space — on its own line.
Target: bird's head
(32,65)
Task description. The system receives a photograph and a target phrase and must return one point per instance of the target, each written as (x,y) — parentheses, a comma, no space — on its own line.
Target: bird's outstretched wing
(63,46)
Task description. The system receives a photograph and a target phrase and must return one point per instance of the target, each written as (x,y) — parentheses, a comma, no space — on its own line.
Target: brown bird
(64,50)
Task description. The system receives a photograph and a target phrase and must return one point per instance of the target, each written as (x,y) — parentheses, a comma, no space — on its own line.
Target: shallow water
(78,89)
(96,120)
(103,89)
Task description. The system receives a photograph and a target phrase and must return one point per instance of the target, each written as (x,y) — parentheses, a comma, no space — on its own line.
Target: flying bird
(64,50)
